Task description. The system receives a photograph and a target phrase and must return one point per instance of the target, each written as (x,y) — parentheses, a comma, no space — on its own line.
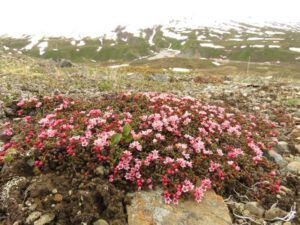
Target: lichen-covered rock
(148,208)
(274,212)
(255,209)
(294,167)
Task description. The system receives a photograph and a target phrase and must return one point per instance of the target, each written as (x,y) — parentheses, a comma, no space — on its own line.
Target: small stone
(100,170)
(58,197)
(282,147)
(274,212)
(64,63)
(100,222)
(277,223)
(239,206)
(277,158)
(54,191)
(33,217)
(294,167)
(255,209)
(287,223)
(32,207)
(45,219)
(159,77)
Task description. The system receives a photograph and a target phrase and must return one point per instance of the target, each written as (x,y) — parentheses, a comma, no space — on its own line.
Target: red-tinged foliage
(147,140)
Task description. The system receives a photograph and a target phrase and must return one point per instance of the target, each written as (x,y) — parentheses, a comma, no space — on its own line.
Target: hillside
(269,42)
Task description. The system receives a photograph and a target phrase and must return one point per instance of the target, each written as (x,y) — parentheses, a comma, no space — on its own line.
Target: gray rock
(274,212)
(33,217)
(45,219)
(294,167)
(9,112)
(277,158)
(63,63)
(2,113)
(100,222)
(159,78)
(255,209)
(282,147)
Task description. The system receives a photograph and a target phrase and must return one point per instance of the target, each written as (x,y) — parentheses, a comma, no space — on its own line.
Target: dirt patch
(71,199)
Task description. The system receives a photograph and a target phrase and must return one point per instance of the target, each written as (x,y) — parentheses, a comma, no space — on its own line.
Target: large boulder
(148,208)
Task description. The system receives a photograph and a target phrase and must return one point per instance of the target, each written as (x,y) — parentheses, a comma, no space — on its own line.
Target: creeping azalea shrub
(147,140)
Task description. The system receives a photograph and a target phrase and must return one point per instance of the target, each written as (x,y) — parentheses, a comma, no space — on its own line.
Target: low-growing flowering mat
(146,140)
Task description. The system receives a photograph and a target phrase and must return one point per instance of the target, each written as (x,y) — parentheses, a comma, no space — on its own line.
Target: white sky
(94,17)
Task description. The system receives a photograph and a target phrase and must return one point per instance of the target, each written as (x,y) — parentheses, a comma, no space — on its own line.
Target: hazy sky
(90,17)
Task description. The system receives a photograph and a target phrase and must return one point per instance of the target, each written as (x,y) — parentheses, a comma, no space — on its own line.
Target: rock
(33,217)
(274,212)
(2,113)
(239,206)
(255,209)
(159,78)
(58,198)
(282,147)
(100,222)
(100,170)
(9,112)
(148,208)
(294,167)
(297,147)
(287,223)
(277,158)
(63,63)
(295,133)
(45,219)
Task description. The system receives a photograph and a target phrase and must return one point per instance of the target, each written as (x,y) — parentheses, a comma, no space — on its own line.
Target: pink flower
(157,125)
(187,186)
(213,166)
(136,145)
(7,132)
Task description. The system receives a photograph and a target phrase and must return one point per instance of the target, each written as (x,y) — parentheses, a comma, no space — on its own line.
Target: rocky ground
(39,199)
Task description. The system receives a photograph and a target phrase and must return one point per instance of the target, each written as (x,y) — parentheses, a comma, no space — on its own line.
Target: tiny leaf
(126,130)
(115,139)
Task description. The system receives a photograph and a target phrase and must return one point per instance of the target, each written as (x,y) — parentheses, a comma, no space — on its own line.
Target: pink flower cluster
(180,144)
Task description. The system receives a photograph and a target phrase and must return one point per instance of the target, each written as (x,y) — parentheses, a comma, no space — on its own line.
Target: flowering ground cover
(146,141)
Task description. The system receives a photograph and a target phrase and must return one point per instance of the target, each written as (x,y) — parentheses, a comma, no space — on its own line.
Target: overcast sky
(90,17)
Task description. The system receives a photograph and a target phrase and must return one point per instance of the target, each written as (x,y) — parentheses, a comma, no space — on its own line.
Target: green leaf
(126,130)
(8,158)
(128,139)
(115,139)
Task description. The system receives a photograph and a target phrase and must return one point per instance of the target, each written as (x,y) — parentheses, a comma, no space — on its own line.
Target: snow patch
(118,66)
(211,45)
(257,46)
(165,53)
(274,46)
(34,41)
(255,39)
(181,70)
(295,49)
(42,46)
(99,48)
(81,43)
